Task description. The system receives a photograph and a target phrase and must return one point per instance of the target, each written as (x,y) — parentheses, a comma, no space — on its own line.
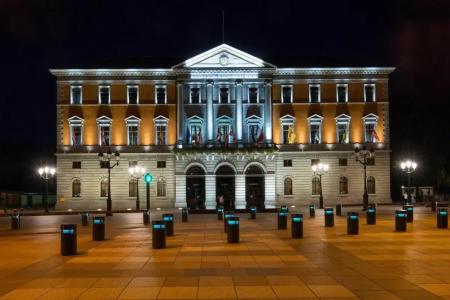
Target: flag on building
(254,130)
(375,137)
(232,136)
(226,137)
(194,136)
(260,137)
(200,138)
(291,135)
(188,135)
(219,136)
(74,136)
(103,136)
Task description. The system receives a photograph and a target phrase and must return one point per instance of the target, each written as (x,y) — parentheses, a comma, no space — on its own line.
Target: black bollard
(312,210)
(297,226)
(15,220)
(352,223)
(400,220)
(284,208)
(339,210)
(409,212)
(442,218)
(329,216)
(158,234)
(68,239)
(85,218)
(233,230)
(168,218)
(282,219)
(371,215)
(98,228)
(220,213)
(184,215)
(146,217)
(253,212)
(433,205)
(227,215)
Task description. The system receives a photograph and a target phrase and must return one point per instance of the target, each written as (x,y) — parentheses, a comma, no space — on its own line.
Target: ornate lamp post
(364,157)
(46,173)
(148,180)
(319,170)
(136,173)
(105,161)
(408,166)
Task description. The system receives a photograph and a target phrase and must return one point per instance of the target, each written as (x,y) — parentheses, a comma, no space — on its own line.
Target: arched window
(161,187)
(287,186)
(343,185)
(316,186)
(104,187)
(371,185)
(76,188)
(132,187)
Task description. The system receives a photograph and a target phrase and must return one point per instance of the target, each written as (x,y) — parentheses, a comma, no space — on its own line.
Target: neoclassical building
(222,126)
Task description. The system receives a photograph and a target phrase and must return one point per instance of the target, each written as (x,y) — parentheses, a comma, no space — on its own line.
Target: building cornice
(334,71)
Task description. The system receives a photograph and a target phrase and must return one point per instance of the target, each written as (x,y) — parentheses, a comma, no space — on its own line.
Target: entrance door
(254,187)
(195,188)
(225,187)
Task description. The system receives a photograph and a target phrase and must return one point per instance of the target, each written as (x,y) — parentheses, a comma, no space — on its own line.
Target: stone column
(239,195)
(239,116)
(209,111)
(269,186)
(210,191)
(180,113)
(268,112)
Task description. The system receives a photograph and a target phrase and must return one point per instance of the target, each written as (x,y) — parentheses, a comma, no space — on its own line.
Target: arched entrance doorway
(254,187)
(225,186)
(195,188)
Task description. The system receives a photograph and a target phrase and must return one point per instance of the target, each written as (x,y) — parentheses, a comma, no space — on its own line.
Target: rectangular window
(76,165)
(75,95)
(133,135)
(195,95)
(161,95)
(315,161)
(342,129)
(76,135)
(104,164)
(133,94)
(253,131)
(315,133)
(104,96)
(132,163)
(371,161)
(224,95)
(342,93)
(342,162)
(369,92)
(161,164)
(161,135)
(369,132)
(253,95)
(314,93)
(286,94)
(285,132)
(104,135)
(287,163)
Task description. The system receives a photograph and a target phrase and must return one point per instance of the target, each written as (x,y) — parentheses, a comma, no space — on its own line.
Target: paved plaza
(199,263)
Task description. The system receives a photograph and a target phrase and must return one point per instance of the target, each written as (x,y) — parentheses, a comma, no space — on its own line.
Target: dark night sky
(413,36)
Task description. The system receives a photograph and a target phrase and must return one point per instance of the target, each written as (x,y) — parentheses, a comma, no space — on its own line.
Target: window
(342,93)
(371,185)
(343,129)
(76,130)
(104,131)
(132,130)
(287,186)
(314,93)
(161,94)
(133,94)
(370,125)
(287,129)
(343,185)
(315,129)
(195,95)
(371,161)
(76,188)
(286,94)
(342,162)
(253,96)
(224,95)
(104,187)
(132,187)
(315,186)
(194,134)
(254,127)
(315,161)
(103,95)
(104,164)
(132,163)
(287,163)
(225,134)
(160,130)
(369,92)
(76,96)
(76,165)
(161,164)
(161,187)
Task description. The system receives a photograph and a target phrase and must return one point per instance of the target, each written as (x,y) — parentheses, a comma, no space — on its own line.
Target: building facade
(223,126)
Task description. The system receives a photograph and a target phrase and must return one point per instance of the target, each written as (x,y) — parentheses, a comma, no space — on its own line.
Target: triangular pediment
(224,56)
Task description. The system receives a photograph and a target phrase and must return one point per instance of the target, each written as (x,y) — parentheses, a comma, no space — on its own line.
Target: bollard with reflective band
(220,213)
(168,219)
(146,217)
(68,239)
(409,212)
(158,234)
(328,214)
(15,221)
(297,226)
(282,219)
(352,223)
(339,210)
(98,228)
(233,229)
(184,215)
(371,215)
(226,215)
(442,218)
(85,218)
(253,212)
(284,208)
(400,220)
(312,210)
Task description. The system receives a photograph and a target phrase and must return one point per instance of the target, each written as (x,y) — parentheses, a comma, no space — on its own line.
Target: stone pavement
(199,264)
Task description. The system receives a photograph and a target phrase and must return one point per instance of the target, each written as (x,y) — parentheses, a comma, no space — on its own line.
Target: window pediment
(132,120)
(75,120)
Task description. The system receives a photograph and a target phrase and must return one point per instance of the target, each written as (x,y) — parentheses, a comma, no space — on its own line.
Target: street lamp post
(320,169)
(364,157)
(46,173)
(148,180)
(408,166)
(136,173)
(105,161)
